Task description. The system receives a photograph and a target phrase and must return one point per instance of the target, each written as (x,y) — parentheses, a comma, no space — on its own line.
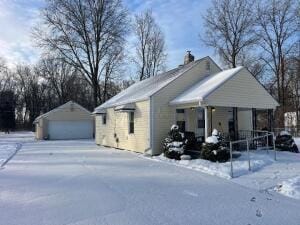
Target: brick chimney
(188,58)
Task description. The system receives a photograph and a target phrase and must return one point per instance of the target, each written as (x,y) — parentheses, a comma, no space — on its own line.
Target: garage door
(62,130)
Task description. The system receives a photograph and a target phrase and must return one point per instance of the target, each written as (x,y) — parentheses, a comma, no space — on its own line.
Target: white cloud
(16,20)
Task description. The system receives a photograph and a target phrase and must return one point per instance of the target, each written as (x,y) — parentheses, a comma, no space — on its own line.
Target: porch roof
(235,87)
(205,87)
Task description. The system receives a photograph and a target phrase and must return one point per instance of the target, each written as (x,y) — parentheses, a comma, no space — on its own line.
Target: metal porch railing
(255,137)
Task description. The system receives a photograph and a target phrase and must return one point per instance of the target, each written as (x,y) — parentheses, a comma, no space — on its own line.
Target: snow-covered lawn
(240,165)
(290,187)
(77,182)
(265,174)
(10,143)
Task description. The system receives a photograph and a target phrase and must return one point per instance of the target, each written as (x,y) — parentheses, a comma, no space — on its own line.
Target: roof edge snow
(172,75)
(207,86)
(59,108)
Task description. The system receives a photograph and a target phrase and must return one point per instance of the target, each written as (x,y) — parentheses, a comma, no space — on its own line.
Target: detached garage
(68,121)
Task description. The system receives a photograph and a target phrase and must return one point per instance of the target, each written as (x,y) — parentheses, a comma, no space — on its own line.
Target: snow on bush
(212,140)
(215,132)
(284,132)
(174,127)
(290,187)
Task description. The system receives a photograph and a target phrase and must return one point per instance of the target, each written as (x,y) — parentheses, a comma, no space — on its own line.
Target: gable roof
(242,95)
(205,87)
(59,108)
(142,90)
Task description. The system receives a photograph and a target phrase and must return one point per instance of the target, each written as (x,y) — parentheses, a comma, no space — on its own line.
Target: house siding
(117,128)
(245,119)
(164,114)
(243,90)
(220,118)
(222,115)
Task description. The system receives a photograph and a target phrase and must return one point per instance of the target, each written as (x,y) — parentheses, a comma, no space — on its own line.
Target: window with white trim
(180,119)
(131,122)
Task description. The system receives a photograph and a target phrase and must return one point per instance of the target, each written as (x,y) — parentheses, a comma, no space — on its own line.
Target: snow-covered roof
(142,90)
(59,108)
(125,107)
(205,87)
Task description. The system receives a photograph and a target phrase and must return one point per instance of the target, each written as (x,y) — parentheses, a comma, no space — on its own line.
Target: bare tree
(7,82)
(60,76)
(293,72)
(277,29)
(229,29)
(150,46)
(84,32)
(112,71)
(31,93)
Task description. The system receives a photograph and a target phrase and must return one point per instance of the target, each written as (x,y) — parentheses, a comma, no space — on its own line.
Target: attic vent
(207,65)
(71,107)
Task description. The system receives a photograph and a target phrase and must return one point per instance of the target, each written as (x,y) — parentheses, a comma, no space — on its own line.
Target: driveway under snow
(77,182)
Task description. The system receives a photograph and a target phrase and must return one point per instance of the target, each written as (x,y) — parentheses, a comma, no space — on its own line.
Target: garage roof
(59,108)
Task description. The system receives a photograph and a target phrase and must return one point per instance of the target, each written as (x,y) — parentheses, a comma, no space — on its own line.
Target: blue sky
(180,21)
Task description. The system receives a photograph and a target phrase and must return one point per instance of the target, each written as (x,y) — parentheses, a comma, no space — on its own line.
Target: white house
(198,96)
(68,121)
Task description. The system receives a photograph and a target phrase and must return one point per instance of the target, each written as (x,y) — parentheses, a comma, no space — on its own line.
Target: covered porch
(233,123)
(227,101)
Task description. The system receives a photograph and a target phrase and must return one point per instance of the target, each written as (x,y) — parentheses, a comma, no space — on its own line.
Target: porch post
(254,121)
(206,122)
(270,120)
(235,122)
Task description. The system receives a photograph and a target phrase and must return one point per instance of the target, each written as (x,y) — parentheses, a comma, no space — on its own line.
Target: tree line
(85,52)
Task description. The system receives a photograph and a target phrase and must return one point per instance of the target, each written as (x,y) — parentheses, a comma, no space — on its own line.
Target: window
(180,119)
(200,129)
(131,122)
(103,119)
(179,110)
(200,118)
(181,125)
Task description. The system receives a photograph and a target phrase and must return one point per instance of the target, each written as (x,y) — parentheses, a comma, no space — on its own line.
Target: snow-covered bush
(173,145)
(213,150)
(285,142)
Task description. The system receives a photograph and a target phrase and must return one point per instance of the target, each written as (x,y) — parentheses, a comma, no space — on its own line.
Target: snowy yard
(77,182)
(266,173)
(10,143)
